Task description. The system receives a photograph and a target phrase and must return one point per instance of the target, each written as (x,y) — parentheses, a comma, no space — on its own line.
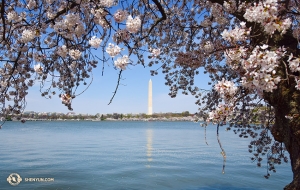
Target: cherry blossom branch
(118,83)
(223,152)
(3,19)
(62,12)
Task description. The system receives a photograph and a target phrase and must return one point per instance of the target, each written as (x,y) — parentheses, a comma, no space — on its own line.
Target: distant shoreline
(189,119)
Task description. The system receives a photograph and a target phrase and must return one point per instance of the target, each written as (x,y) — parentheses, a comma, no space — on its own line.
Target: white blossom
(31,4)
(95,42)
(237,34)
(62,51)
(230,6)
(120,16)
(260,68)
(133,25)
(221,113)
(266,13)
(154,52)
(38,69)
(12,15)
(107,3)
(297,83)
(208,47)
(27,36)
(113,50)
(37,57)
(66,98)
(75,54)
(294,63)
(122,62)
(226,89)
(121,35)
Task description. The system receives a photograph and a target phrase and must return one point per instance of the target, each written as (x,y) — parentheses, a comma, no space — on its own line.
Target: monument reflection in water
(149,133)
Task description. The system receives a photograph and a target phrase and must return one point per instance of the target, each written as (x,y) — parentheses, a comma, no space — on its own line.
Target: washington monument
(150,97)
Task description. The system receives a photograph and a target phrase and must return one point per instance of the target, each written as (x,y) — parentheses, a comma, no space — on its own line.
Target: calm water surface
(129,155)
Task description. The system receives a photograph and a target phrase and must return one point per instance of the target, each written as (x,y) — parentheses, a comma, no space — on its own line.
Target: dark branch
(119,78)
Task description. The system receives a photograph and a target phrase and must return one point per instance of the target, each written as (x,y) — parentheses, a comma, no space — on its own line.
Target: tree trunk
(286,102)
(285,132)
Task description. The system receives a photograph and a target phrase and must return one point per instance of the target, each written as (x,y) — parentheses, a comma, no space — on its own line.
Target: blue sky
(132,95)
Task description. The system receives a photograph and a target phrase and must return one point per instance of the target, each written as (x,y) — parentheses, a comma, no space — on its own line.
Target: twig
(116,88)
(205,135)
(223,152)
(286,72)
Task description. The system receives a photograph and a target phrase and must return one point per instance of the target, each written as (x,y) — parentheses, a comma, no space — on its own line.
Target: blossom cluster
(230,6)
(234,57)
(31,4)
(13,16)
(294,63)
(38,69)
(95,42)
(74,54)
(237,34)
(62,51)
(221,113)
(121,35)
(266,13)
(70,26)
(226,89)
(133,25)
(66,98)
(27,36)
(120,16)
(218,14)
(154,52)
(208,47)
(122,62)
(113,50)
(107,3)
(37,57)
(297,79)
(260,69)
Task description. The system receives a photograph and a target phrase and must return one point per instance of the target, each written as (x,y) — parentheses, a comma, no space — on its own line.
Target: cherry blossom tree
(249,49)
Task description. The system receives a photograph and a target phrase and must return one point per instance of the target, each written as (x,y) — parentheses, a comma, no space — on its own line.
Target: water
(129,155)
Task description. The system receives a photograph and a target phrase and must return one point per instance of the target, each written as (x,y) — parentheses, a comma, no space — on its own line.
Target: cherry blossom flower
(121,35)
(226,89)
(133,25)
(208,47)
(230,6)
(297,83)
(27,35)
(12,15)
(221,113)
(75,54)
(31,4)
(38,58)
(38,69)
(154,52)
(66,98)
(120,16)
(237,34)
(266,13)
(294,63)
(122,62)
(95,42)
(107,3)
(113,50)
(62,51)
